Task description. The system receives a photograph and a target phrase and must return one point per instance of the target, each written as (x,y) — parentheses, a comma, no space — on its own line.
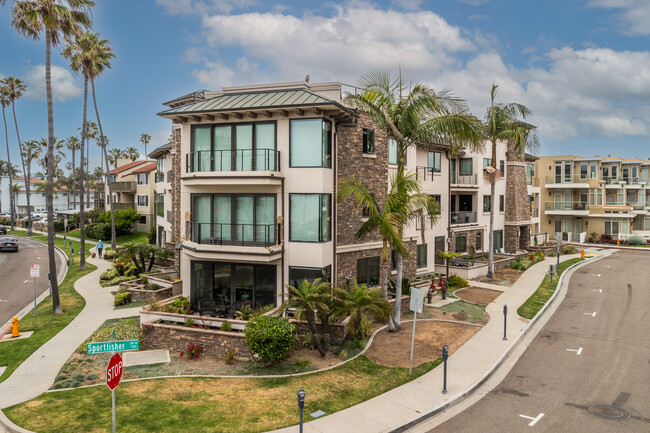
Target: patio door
(578,226)
(557,205)
(440,246)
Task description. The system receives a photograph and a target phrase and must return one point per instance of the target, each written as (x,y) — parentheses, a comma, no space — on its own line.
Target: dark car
(10,244)
(3,230)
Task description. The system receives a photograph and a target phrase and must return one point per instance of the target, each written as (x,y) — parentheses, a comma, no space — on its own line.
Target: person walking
(100,248)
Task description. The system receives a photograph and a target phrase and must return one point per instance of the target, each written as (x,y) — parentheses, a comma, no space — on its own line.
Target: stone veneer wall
(372,170)
(471,239)
(176,194)
(517,212)
(143,295)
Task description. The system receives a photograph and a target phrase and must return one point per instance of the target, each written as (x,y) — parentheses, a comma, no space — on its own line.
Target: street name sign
(112,346)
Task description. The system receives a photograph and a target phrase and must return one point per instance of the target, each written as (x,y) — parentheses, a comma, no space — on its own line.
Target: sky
(581,66)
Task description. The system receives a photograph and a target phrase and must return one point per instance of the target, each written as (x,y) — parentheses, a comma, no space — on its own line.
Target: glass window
(437,198)
(440,246)
(244,147)
(393,260)
(530,173)
(368,271)
(461,242)
(160,205)
(487,162)
(421,256)
(368,141)
(487,203)
(498,240)
(143,178)
(502,168)
(392,151)
(593,170)
(223,148)
(584,167)
(310,143)
(143,200)
(265,146)
(298,274)
(502,203)
(479,240)
(309,217)
(433,162)
(465,167)
(201,148)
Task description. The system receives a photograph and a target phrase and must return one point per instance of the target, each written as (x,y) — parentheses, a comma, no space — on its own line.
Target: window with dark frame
(502,167)
(393,260)
(368,141)
(421,256)
(461,242)
(143,200)
(479,241)
(437,198)
(433,162)
(310,143)
(310,217)
(368,271)
(502,203)
(298,274)
(487,203)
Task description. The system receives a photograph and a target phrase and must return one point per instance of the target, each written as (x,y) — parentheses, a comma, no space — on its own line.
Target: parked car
(3,230)
(10,244)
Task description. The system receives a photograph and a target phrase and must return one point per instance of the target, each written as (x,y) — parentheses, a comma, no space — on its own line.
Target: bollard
(445,355)
(301,404)
(505,315)
(14,328)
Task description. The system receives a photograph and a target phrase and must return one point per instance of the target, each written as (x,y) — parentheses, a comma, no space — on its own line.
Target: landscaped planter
(216,344)
(151,316)
(140,294)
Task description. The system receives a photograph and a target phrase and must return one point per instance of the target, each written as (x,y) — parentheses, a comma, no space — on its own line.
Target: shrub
(151,236)
(635,240)
(124,330)
(456,282)
(230,356)
(109,254)
(109,274)
(521,264)
(552,254)
(124,220)
(180,305)
(193,351)
(605,238)
(189,322)
(569,249)
(226,326)
(144,280)
(270,338)
(122,299)
(154,287)
(406,287)
(244,313)
(58,226)
(98,231)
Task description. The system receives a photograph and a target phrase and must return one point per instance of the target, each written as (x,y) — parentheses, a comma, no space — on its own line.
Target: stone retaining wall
(144,295)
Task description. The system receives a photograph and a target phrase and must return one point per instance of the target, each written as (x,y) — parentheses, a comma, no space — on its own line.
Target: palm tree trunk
(493,180)
(397,308)
(49,198)
(108,178)
(74,151)
(11,182)
(82,204)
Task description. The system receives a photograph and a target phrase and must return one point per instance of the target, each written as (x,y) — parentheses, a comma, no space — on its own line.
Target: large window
(298,274)
(465,168)
(160,205)
(530,173)
(498,241)
(437,198)
(143,200)
(421,256)
(392,151)
(309,217)
(310,143)
(242,219)
(368,271)
(461,242)
(143,178)
(368,141)
(502,203)
(233,147)
(440,246)
(433,162)
(487,203)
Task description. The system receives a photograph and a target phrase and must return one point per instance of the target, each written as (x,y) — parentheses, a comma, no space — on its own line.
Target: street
(16,286)
(589,365)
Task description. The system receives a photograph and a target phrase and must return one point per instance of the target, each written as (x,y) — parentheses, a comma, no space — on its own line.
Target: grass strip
(46,325)
(223,405)
(544,292)
(137,237)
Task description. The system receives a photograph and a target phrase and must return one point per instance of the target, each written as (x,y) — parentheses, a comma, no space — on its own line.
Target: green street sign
(113,346)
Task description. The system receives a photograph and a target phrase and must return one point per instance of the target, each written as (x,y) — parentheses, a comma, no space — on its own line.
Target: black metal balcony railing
(229,160)
(424,173)
(160,177)
(463,217)
(251,235)
(464,179)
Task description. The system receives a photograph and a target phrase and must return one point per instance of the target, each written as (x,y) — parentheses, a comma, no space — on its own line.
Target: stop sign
(114,371)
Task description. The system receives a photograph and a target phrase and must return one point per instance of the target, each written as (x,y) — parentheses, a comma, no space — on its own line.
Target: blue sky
(582,66)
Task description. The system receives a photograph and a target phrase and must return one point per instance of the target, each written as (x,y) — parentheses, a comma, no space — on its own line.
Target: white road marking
(578,352)
(26,281)
(598,275)
(599,290)
(534,420)
(591,314)
(3,300)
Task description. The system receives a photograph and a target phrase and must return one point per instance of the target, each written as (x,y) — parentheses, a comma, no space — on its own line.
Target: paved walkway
(467,367)
(36,375)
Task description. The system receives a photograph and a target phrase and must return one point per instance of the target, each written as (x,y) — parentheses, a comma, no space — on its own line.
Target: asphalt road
(16,286)
(579,360)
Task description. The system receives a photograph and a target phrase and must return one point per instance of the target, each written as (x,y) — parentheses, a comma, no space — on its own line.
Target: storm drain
(609,412)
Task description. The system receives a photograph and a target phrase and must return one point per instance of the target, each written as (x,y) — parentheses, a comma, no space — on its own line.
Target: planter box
(152,316)
(140,294)
(216,343)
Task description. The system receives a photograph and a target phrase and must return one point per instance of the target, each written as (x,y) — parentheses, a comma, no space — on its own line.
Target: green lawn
(543,293)
(223,405)
(46,325)
(137,237)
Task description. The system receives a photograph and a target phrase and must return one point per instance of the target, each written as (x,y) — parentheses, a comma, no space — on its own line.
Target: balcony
(533,182)
(424,173)
(576,181)
(464,179)
(247,235)
(566,208)
(160,177)
(228,160)
(123,187)
(463,217)
(534,213)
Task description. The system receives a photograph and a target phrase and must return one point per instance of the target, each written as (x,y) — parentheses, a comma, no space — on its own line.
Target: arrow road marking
(26,281)
(534,420)
(578,352)
(591,314)
(599,290)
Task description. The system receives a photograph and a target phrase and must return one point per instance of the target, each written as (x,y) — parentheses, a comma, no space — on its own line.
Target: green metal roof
(266,99)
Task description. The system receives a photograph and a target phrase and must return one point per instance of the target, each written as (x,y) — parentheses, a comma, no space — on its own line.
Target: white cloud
(63,83)
(190,7)
(634,14)
(158,138)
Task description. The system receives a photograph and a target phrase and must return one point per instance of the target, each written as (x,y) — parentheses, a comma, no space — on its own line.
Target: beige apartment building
(133,186)
(602,195)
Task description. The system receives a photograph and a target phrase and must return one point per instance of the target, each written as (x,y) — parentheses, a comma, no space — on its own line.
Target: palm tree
(419,117)
(56,19)
(502,123)
(15,88)
(31,151)
(73,145)
(405,203)
(447,256)
(307,299)
(14,192)
(114,155)
(132,153)
(4,102)
(145,139)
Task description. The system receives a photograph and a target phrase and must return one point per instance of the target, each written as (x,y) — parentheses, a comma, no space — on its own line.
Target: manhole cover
(609,412)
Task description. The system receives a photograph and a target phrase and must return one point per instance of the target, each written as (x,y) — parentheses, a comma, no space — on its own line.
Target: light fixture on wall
(549,222)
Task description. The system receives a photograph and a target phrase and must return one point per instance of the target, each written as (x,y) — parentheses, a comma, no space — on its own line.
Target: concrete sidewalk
(467,368)
(36,374)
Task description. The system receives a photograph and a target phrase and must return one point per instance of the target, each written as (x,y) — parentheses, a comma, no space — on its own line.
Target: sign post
(301,404)
(417,302)
(35,272)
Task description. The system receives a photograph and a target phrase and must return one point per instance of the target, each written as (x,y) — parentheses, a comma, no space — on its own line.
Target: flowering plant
(193,351)
(180,305)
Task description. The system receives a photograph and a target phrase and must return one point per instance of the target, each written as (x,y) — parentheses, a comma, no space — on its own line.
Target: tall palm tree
(31,152)
(405,204)
(4,102)
(132,153)
(502,123)
(56,18)
(73,144)
(14,192)
(114,155)
(145,139)
(417,117)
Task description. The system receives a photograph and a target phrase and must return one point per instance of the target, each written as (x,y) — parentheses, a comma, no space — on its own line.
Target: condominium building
(133,187)
(63,199)
(165,235)
(252,192)
(584,195)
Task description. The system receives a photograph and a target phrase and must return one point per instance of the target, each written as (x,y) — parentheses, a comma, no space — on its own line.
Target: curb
(499,361)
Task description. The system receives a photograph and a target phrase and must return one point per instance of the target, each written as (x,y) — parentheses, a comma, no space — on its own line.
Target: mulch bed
(477,295)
